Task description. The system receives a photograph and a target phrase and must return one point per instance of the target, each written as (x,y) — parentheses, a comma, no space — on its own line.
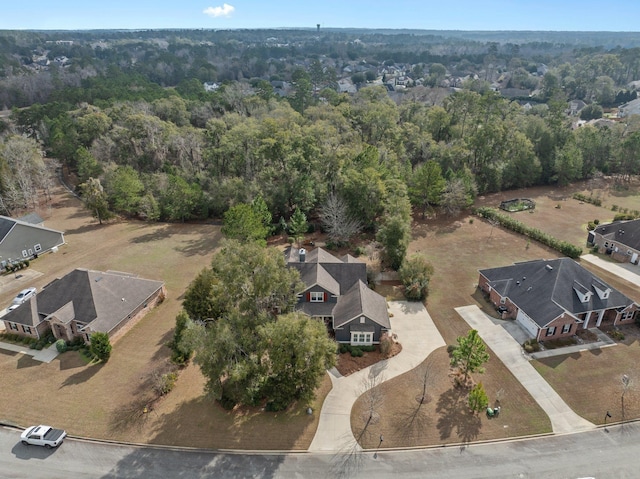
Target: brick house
(337,293)
(552,299)
(84,302)
(620,239)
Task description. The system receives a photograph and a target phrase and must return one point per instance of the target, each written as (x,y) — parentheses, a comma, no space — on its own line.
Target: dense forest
(128,118)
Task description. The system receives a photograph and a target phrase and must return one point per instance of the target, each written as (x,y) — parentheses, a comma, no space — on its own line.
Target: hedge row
(587,199)
(508,222)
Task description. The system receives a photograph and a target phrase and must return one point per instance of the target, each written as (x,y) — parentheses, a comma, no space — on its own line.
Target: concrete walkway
(563,419)
(419,337)
(604,341)
(45,355)
(626,271)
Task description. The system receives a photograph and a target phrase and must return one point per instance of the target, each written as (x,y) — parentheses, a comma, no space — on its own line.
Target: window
(317,297)
(551,331)
(13,326)
(627,315)
(26,329)
(362,338)
(566,328)
(24,253)
(37,248)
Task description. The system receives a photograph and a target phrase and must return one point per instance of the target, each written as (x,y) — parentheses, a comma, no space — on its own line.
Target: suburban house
(337,293)
(620,239)
(20,240)
(84,302)
(555,298)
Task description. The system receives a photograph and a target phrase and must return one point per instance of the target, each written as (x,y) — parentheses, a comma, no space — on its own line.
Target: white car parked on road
(24,295)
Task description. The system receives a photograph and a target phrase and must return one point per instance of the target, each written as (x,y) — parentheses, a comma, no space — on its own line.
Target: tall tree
(336,220)
(243,223)
(469,354)
(427,185)
(296,352)
(95,199)
(298,225)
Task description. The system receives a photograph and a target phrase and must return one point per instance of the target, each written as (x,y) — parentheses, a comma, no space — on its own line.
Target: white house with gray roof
(336,292)
(555,298)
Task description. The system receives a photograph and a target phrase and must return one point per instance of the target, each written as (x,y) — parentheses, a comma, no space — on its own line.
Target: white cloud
(224,11)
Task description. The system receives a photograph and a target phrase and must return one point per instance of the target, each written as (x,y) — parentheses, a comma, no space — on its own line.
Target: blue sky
(571,15)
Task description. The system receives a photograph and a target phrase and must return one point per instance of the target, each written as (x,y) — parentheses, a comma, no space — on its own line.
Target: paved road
(563,419)
(595,453)
(419,337)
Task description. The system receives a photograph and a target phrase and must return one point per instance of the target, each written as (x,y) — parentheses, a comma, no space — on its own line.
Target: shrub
(356,352)
(61,345)
(531,346)
(360,251)
(415,273)
(386,343)
(451,348)
(478,400)
(616,335)
(100,346)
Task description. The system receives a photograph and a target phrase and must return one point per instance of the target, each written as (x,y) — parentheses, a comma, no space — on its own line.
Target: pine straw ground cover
(108,400)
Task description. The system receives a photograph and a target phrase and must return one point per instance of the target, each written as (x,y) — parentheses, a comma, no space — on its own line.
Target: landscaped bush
(624,217)
(508,222)
(616,335)
(531,346)
(61,345)
(356,352)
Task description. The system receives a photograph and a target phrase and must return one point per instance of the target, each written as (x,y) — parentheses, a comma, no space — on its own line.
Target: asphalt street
(597,453)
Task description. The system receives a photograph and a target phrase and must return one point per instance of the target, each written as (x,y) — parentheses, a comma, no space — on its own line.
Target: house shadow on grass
(455,416)
(555,361)
(82,376)
(26,361)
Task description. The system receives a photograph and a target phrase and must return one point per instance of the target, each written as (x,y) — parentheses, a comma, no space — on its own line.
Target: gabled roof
(623,232)
(344,277)
(7,224)
(102,299)
(544,289)
(358,301)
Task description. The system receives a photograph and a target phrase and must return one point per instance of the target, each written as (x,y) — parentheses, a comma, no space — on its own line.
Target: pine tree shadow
(455,417)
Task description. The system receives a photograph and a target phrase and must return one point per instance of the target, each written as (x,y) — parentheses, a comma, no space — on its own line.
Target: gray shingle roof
(349,274)
(544,289)
(102,299)
(623,232)
(361,300)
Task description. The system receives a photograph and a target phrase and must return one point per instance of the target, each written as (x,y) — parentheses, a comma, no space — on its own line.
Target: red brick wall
(559,322)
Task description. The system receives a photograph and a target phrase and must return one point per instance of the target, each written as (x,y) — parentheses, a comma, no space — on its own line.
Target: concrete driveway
(419,338)
(563,419)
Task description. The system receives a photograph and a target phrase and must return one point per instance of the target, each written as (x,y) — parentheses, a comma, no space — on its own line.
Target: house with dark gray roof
(555,298)
(84,302)
(620,239)
(337,293)
(20,240)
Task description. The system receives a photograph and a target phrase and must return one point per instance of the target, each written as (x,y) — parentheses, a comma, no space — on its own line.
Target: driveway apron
(418,336)
(563,419)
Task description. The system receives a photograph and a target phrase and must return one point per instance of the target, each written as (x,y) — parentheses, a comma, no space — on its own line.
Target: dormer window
(583,293)
(316,297)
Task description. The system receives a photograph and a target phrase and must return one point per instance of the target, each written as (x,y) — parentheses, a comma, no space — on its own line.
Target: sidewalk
(45,355)
(563,419)
(418,336)
(623,270)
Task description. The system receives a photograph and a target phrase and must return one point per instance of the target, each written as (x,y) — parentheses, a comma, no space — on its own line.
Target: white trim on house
(361,338)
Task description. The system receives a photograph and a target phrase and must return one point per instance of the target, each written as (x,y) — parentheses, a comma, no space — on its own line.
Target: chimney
(303,254)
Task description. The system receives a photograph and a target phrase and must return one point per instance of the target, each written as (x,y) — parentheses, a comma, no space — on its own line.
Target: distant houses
(20,239)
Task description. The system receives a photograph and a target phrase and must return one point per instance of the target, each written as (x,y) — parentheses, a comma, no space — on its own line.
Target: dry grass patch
(591,382)
(405,419)
(108,400)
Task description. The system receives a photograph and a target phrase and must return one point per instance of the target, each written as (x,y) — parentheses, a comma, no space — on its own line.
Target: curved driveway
(563,419)
(418,336)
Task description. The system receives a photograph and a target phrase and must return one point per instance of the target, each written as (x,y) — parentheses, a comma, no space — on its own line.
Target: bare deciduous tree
(337,220)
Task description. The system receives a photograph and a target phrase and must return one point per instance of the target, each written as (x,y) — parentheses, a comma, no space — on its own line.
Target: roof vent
(523,278)
(518,283)
(549,267)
